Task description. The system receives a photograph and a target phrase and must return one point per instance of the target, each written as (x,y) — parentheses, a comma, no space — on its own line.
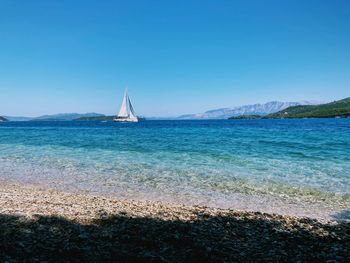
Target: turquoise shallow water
(285,166)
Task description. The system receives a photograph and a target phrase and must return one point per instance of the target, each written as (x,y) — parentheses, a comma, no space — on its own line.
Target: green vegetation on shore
(245,117)
(340,108)
(96,118)
(3,119)
(101,118)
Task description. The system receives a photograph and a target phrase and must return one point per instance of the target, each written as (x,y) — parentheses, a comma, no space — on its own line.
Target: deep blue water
(271,163)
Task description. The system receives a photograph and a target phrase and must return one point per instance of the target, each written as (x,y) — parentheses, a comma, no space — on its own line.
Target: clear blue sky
(175,56)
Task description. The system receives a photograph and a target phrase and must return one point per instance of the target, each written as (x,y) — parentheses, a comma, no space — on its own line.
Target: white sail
(132,114)
(124,109)
(126,112)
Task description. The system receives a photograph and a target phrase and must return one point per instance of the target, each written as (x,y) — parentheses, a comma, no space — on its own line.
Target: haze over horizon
(176,58)
(306,102)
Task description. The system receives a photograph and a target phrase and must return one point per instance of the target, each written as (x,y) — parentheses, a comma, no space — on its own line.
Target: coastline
(42,223)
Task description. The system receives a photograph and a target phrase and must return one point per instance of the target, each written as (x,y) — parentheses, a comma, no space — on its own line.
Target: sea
(286,166)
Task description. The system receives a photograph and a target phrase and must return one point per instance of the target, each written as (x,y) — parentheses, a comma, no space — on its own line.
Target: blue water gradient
(226,163)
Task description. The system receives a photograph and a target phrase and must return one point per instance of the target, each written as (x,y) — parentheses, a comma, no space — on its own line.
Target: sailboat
(126,113)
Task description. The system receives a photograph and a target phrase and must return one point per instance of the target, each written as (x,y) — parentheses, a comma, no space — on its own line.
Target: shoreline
(299,206)
(37,222)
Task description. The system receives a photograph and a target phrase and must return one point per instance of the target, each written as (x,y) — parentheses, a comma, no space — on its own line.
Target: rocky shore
(47,225)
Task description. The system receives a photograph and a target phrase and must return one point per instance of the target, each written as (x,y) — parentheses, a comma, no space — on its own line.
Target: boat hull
(125,120)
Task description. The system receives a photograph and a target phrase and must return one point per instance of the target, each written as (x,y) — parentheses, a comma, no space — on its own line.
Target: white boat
(126,113)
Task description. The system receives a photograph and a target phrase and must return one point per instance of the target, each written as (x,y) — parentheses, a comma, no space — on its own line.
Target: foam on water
(297,167)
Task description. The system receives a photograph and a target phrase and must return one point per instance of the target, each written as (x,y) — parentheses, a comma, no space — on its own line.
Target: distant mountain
(65,116)
(54,117)
(3,119)
(15,118)
(340,108)
(255,109)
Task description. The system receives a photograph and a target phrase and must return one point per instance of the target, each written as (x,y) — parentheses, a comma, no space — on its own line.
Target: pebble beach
(45,225)
(174,131)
